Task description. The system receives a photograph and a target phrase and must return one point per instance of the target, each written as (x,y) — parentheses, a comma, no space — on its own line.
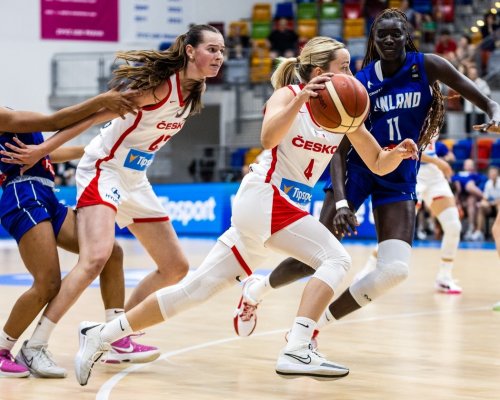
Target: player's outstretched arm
(440,69)
(379,161)
(120,103)
(66,153)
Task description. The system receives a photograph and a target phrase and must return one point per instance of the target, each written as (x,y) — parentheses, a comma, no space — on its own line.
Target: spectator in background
(203,169)
(488,33)
(489,203)
(414,17)
(468,192)
(446,45)
(473,114)
(465,53)
(283,41)
(237,42)
(428,28)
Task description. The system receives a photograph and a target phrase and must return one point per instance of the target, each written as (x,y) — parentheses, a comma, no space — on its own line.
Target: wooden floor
(410,344)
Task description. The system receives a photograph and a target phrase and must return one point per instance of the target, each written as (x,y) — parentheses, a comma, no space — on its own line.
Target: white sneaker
(477,236)
(91,350)
(447,286)
(245,316)
(39,361)
(306,362)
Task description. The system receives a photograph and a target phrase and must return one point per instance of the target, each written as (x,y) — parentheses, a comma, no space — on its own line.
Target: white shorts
(261,209)
(132,197)
(431,185)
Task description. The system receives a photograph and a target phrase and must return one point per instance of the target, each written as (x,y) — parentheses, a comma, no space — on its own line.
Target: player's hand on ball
(315,84)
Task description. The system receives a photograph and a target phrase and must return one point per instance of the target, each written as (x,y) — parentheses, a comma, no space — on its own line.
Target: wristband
(341,204)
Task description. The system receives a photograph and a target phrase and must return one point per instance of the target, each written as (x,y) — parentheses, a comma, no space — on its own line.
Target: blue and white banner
(205,208)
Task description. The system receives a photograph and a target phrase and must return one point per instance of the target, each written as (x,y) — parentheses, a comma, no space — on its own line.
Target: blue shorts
(25,204)
(361,183)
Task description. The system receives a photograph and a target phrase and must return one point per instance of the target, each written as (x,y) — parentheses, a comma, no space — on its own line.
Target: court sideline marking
(107,387)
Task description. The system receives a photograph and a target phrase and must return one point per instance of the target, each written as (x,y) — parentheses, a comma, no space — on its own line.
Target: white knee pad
(332,270)
(218,271)
(392,268)
(450,222)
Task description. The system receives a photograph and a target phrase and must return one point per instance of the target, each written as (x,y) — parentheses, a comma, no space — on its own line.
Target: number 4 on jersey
(308,172)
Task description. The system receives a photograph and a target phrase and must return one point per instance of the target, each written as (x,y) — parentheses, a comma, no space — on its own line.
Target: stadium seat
(331,29)
(484,146)
(354,28)
(261,30)
(357,47)
(307,11)
(423,6)
(462,150)
(331,11)
(307,28)
(495,153)
(448,142)
(261,12)
(352,11)
(284,10)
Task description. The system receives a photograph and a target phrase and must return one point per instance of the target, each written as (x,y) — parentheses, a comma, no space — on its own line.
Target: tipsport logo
(296,191)
(138,160)
(185,211)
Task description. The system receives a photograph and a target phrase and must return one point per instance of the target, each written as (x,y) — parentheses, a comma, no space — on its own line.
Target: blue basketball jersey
(398,107)
(9,172)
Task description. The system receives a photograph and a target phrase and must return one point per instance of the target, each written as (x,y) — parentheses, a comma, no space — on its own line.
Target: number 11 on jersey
(394,127)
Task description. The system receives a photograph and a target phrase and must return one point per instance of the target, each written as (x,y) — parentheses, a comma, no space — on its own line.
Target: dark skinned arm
(439,69)
(344,220)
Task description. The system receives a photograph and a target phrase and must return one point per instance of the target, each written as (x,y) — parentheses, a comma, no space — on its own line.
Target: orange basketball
(342,106)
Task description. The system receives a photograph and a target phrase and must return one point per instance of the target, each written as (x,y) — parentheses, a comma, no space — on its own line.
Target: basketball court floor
(410,344)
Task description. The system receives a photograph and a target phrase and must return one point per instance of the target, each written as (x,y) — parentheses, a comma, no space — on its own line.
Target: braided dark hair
(435,116)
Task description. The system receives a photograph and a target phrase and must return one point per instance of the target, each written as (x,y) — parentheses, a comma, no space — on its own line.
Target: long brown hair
(147,69)
(435,116)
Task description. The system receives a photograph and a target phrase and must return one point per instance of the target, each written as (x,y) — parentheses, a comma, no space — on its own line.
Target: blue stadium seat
(495,153)
(462,150)
(284,10)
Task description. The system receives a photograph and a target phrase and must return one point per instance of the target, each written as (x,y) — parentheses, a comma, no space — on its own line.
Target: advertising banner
(204,209)
(80,20)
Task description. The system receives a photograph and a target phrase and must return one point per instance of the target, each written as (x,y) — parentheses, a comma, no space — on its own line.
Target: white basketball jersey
(427,170)
(298,161)
(130,144)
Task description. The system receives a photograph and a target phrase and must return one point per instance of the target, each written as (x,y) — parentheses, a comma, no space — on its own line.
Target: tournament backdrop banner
(158,20)
(80,20)
(205,208)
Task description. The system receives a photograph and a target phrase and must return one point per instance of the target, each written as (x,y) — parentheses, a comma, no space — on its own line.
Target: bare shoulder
(436,66)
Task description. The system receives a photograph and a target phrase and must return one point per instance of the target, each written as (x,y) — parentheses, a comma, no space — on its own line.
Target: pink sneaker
(126,350)
(9,367)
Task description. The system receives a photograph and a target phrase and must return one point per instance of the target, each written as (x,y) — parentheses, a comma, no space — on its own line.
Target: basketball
(342,106)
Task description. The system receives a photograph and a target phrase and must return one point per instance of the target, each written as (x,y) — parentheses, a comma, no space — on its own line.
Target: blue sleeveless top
(8,172)
(398,107)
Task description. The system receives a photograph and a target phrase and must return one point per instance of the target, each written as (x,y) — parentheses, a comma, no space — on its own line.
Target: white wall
(25,68)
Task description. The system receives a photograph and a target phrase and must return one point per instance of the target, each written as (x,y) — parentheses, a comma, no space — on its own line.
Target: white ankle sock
(42,332)
(325,319)
(6,342)
(445,269)
(301,333)
(116,329)
(113,313)
(260,288)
